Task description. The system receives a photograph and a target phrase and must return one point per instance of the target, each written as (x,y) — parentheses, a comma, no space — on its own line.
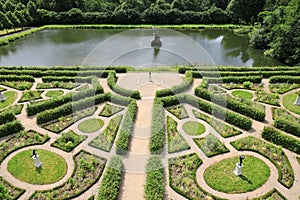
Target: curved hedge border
(7,116)
(231,103)
(210,108)
(186,84)
(269,195)
(279,138)
(4,183)
(155,185)
(40,106)
(112,83)
(122,144)
(157,127)
(10,128)
(111,182)
(75,173)
(16,78)
(251,143)
(284,79)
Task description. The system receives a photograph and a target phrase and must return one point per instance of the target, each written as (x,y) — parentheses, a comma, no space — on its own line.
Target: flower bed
(211,145)
(30,95)
(16,108)
(271,152)
(176,142)
(105,139)
(267,98)
(68,141)
(19,85)
(182,175)
(56,84)
(20,140)
(64,122)
(252,86)
(88,169)
(272,195)
(282,88)
(223,129)
(179,111)
(8,191)
(109,110)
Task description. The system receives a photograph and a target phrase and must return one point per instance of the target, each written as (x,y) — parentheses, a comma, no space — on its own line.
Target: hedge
(264,74)
(111,182)
(186,84)
(210,108)
(231,103)
(155,186)
(112,83)
(183,69)
(16,78)
(122,144)
(118,99)
(37,107)
(7,116)
(69,108)
(10,128)
(233,79)
(287,126)
(76,79)
(284,79)
(277,137)
(157,127)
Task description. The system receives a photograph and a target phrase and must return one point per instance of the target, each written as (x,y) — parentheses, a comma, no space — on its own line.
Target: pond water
(98,47)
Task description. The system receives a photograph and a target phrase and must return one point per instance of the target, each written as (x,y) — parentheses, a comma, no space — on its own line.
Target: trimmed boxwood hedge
(37,107)
(264,74)
(277,137)
(231,103)
(157,127)
(7,116)
(11,128)
(186,84)
(112,83)
(76,79)
(122,144)
(287,126)
(111,182)
(284,79)
(69,108)
(16,78)
(155,186)
(234,79)
(210,108)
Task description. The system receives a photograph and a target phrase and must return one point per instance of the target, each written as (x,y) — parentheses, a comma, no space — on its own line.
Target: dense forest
(276,22)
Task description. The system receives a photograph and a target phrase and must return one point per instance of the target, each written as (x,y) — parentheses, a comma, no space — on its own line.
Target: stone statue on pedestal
(239,166)
(156,40)
(36,159)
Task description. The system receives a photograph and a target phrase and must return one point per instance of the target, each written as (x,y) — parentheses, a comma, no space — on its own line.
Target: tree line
(276,22)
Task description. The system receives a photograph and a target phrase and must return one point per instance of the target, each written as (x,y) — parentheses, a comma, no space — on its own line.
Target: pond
(103,47)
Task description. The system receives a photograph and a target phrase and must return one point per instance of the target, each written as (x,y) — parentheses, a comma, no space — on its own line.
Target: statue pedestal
(37,161)
(238,169)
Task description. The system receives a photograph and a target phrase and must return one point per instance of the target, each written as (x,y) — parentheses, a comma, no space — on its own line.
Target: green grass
(242,94)
(109,110)
(91,125)
(220,176)
(211,145)
(54,93)
(10,99)
(193,128)
(30,95)
(288,102)
(54,168)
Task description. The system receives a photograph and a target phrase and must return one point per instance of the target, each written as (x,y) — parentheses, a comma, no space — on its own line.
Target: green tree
(8,6)
(20,15)
(244,10)
(7,24)
(14,19)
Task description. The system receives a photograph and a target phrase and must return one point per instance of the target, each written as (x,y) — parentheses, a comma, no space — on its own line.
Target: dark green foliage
(122,144)
(111,182)
(211,145)
(6,117)
(8,191)
(68,141)
(186,84)
(112,83)
(284,79)
(287,126)
(10,128)
(157,127)
(155,186)
(279,138)
(37,107)
(233,79)
(76,79)
(16,78)
(231,103)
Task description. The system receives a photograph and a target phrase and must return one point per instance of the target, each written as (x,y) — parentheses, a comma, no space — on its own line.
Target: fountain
(156,43)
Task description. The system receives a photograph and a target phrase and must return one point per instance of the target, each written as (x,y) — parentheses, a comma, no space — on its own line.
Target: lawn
(22,167)
(193,128)
(10,98)
(288,102)
(54,93)
(242,94)
(220,176)
(91,125)
(29,95)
